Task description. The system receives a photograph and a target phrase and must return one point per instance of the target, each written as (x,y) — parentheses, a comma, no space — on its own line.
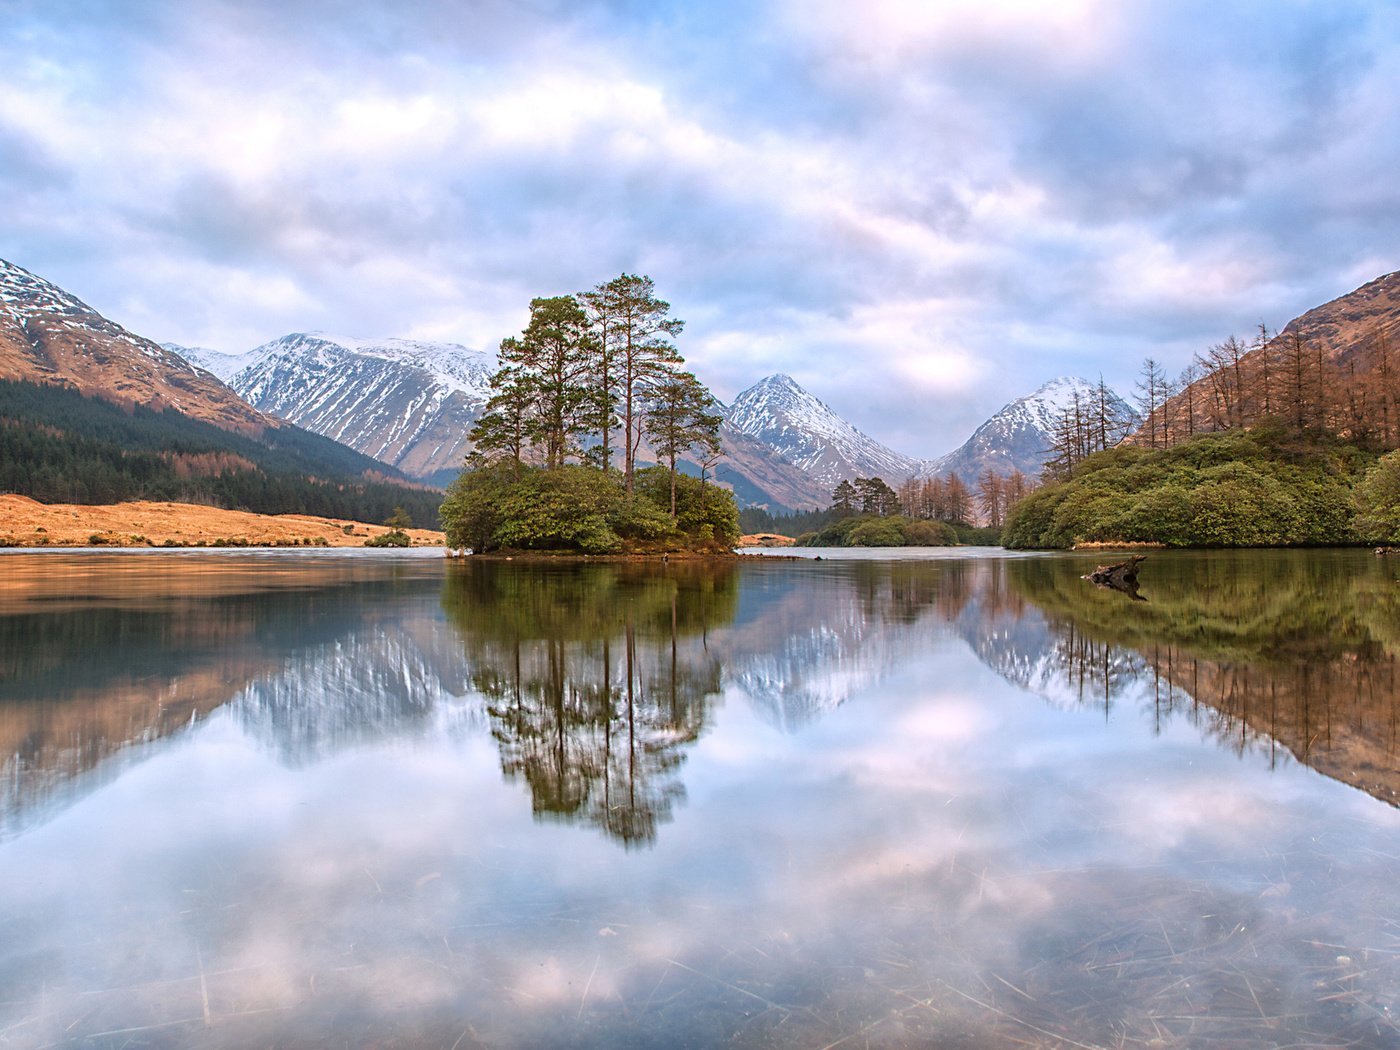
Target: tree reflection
(597,677)
(1261,650)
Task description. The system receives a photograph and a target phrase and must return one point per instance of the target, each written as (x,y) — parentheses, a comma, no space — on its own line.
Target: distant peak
(1063,383)
(777,383)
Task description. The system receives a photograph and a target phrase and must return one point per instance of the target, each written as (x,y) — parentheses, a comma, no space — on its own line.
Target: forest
(58,446)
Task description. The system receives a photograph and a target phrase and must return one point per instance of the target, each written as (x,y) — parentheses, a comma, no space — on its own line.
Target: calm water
(334,800)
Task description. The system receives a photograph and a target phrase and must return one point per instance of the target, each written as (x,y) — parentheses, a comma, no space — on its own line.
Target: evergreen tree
(843,498)
(682,415)
(644,353)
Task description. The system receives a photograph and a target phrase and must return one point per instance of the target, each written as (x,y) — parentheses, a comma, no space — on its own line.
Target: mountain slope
(804,431)
(412,404)
(92,413)
(1018,437)
(50,336)
(409,404)
(1334,368)
(225,366)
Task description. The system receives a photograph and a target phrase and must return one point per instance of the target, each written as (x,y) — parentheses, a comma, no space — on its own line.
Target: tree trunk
(1121,576)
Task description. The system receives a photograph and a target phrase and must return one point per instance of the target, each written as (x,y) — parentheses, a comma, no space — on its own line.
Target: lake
(902,799)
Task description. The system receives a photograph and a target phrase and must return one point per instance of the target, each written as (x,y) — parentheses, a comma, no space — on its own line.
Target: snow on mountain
(50,336)
(408,403)
(1020,434)
(803,430)
(216,362)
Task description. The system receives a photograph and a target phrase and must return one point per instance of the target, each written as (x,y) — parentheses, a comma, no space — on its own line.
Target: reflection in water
(250,802)
(596,678)
(1261,650)
(101,657)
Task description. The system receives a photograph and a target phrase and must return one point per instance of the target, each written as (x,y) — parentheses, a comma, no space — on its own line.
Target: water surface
(325,799)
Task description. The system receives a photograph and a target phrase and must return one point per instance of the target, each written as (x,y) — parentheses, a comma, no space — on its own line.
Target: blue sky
(918,210)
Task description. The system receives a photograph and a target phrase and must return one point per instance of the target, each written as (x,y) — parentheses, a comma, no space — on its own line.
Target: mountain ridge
(805,431)
(1019,436)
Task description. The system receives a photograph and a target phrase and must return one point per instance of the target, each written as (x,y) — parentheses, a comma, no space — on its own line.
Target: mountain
(804,431)
(1348,326)
(92,413)
(406,403)
(1334,368)
(1020,434)
(223,365)
(412,404)
(50,336)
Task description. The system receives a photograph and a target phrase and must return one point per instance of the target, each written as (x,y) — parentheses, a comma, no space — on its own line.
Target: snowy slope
(1019,435)
(803,430)
(223,365)
(408,403)
(50,336)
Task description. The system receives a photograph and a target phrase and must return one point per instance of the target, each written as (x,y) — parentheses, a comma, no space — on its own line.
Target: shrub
(509,505)
(876,532)
(1378,501)
(393,538)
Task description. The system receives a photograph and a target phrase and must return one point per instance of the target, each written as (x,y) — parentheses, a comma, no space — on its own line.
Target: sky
(919,210)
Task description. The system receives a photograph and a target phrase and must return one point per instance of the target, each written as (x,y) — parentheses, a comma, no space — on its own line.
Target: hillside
(407,403)
(1334,368)
(804,431)
(50,336)
(1264,487)
(92,413)
(28,523)
(56,445)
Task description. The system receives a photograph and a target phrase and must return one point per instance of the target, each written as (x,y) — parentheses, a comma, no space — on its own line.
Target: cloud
(907,209)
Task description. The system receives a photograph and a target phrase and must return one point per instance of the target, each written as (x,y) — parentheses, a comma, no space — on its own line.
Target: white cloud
(926,197)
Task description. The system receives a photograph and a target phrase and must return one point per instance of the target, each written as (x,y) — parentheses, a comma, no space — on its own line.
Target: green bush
(876,532)
(1265,487)
(1378,501)
(393,538)
(505,505)
(866,530)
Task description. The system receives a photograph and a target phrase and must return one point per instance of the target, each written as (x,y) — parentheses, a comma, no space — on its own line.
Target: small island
(592,378)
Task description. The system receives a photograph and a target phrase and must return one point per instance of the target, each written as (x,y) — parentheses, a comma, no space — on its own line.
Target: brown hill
(1334,368)
(49,336)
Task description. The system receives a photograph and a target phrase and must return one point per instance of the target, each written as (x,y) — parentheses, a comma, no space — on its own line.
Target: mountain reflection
(102,658)
(597,677)
(596,680)
(1260,650)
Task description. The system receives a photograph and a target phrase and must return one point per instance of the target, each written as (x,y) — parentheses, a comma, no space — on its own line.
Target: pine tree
(682,415)
(645,354)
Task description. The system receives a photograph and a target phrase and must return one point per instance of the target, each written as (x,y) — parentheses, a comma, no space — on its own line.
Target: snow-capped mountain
(803,430)
(216,362)
(410,404)
(1019,436)
(50,336)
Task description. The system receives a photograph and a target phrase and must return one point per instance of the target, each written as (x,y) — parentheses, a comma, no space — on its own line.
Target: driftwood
(1121,576)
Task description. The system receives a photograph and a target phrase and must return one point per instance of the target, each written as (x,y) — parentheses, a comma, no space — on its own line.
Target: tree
(843,498)
(958,501)
(682,415)
(506,425)
(991,497)
(876,497)
(555,350)
(1150,400)
(601,306)
(642,334)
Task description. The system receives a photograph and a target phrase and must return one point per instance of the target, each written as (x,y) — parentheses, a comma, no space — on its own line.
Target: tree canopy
(541,477)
